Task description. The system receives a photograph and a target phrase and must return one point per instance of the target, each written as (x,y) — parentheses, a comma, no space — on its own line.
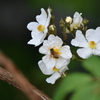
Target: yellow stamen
(57,50)
(92,44)
(55,69)
(41,28)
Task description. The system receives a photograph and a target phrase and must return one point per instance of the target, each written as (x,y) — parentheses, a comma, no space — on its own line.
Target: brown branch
(13,76)
(8,77)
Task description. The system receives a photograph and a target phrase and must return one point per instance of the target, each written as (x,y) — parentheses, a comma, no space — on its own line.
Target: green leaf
(70,83)
(92,64)
(87,93)
(98,97)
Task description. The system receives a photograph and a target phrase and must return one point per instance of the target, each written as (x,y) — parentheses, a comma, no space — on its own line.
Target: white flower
(77,21)
(55,53)
(54,72)
(90,44)
(39,29)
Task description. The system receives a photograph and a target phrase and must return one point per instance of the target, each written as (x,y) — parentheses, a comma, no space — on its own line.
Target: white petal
(32,26)
(36,34)
(53,78)
(49,62)
(44,69)
(55,40)
(42,17)
(84,52)
(34,42)
(91,35)
(77,18)
(45,49)
(63,69)
(76,14)
(96,52)
(37,38)
(45,31)
(98,32)
(98,45)
(61,62)
(79,40)
(48,19)
(65,52)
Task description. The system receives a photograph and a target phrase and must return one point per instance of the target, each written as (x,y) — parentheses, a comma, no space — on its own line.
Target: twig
(8,77)
(13,76)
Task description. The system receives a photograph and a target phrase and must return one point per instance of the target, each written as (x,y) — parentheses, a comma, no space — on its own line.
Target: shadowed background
(14,17)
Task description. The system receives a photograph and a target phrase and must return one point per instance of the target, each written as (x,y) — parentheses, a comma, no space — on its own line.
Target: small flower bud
(68,19)
(52,27)
(73,57)
(50,9)
(62,23)
(85,21)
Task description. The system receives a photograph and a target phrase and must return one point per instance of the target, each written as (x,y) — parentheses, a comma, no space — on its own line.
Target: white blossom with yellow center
(90,43)
(39,29)
(54,72)
(55,53)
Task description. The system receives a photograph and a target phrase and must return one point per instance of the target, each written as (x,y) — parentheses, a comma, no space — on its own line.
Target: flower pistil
(41,28)
(92,44)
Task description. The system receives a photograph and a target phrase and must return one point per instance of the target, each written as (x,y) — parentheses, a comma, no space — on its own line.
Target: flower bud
(73,57)
(68,19)
(85,21)
(52,27)
(62,23)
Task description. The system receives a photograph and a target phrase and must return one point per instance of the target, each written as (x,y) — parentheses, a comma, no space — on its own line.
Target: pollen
(55,69)
(92,44)
(40,28)
(57,50)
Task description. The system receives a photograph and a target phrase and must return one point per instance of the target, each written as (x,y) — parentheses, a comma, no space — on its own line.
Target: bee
(54,54)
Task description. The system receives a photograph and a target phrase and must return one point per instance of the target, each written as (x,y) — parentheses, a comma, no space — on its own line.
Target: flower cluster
(57,54)
(56,58)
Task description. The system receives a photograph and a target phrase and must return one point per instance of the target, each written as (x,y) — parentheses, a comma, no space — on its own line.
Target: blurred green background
(14,17)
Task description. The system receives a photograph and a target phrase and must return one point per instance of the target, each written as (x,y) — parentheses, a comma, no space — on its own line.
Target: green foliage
(81,86)
(93,65)
(71,82)
(86,93)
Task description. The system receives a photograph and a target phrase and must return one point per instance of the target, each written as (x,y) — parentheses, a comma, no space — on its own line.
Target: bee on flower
(55,54)
(40,28)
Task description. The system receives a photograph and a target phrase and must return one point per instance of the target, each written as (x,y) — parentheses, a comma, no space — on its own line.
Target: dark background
(14,17)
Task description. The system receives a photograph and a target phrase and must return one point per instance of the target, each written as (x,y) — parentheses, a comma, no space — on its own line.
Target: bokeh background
(14,17)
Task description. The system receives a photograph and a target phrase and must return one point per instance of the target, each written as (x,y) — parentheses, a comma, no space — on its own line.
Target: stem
(76,56)
(14,77)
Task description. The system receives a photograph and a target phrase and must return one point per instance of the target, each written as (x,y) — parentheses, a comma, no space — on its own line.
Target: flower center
(92,44)
(55,52)
(41,28)
(55,69)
